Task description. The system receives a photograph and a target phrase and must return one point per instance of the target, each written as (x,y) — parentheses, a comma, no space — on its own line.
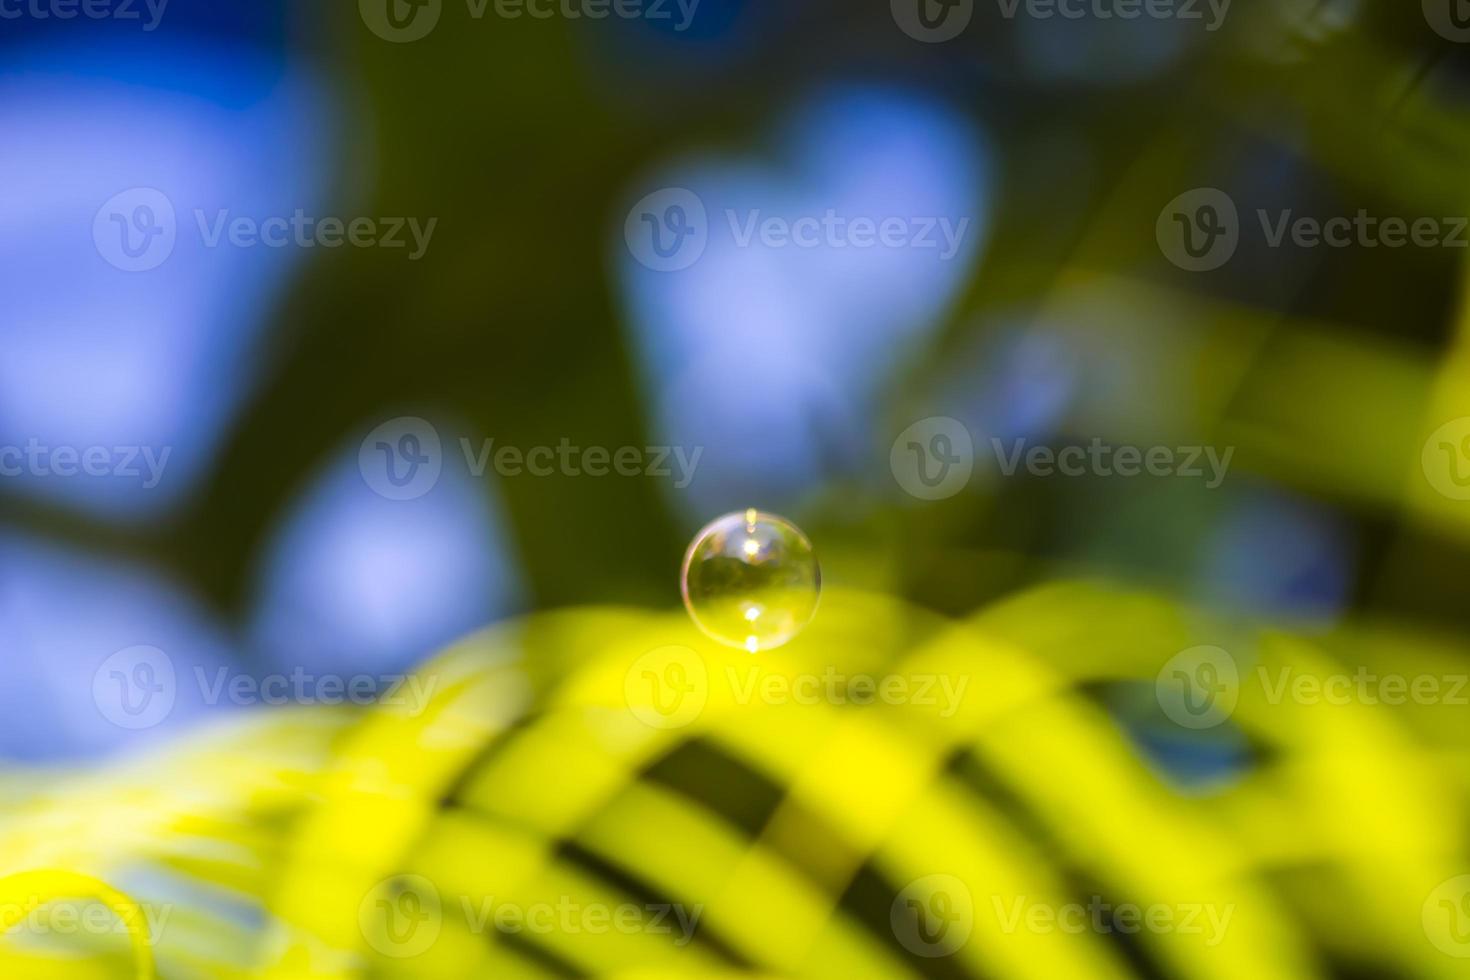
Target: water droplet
(751,580)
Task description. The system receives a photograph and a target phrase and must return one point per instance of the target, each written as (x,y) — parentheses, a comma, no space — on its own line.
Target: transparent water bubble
(751,580)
